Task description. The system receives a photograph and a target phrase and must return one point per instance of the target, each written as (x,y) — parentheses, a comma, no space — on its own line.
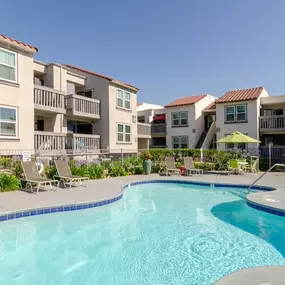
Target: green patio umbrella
(237,137)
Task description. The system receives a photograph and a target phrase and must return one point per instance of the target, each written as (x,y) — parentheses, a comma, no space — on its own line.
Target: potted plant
(146,156)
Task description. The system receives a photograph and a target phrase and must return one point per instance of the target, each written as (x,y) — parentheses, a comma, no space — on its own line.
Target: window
(179,119)
(241,113)
(123,133)
(230,113)
(8,65)
(123,99)
(180,142)
(236,113)
(8,122)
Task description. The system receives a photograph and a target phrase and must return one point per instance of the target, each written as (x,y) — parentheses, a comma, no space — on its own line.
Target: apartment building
(185,121)
(155,116)
(16,94)
(55,107)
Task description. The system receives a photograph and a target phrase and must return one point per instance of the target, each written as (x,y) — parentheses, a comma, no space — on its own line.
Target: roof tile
(241,95)
(18,42)
(97,74)
(190,100)
(212,106)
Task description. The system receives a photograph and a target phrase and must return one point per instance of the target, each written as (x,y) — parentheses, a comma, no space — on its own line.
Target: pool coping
(10,215)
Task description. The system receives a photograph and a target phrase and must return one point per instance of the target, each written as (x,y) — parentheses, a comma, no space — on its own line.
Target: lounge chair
(190,166)
(32,177)
(65,176)
(170,166)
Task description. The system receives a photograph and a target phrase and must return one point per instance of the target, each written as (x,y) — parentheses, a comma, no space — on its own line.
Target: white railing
(49,141)
(48,99)
(272,123)
(82,106)
(209,137)
(158,128)
(83,141)
(144,130)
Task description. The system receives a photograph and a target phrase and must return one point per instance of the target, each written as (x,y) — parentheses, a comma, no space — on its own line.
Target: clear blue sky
(166,48)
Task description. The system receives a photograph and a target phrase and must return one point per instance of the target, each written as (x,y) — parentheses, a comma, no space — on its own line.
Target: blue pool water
(156,234)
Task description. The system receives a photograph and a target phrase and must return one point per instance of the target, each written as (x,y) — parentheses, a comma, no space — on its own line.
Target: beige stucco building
(185,120)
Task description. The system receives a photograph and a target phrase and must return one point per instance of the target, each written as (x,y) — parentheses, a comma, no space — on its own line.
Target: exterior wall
(118,115)
(196,124)
(251,127)
(20,95)
(143,144)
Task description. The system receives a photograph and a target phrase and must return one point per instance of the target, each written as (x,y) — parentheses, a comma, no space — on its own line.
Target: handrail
(276,164)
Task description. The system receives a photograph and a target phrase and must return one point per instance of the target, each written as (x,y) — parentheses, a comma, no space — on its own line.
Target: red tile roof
(212,106)
(186,100)
(97,74)
(18,42)
(241,95)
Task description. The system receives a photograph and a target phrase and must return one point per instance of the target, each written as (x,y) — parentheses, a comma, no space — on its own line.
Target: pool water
(156,234)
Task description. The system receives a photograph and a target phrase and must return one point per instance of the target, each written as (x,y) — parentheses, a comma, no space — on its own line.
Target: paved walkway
(111,187)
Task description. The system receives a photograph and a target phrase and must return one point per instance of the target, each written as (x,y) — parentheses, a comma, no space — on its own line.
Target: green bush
(205,165)
(8,182)
(117,169)
(5,162)
(50,171)
(95,171)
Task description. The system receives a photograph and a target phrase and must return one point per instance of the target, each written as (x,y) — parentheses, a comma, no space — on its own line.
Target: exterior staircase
(201,140)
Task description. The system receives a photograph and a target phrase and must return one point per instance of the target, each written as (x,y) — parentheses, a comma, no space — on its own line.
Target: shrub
(50,171)
(5,162)
(117,169)
(8,182)
(95,171)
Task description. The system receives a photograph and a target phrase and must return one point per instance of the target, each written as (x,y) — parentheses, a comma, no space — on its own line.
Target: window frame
(235,114)
(179,143)
(179,119)
(124,133)
(15,67)
(124,100)
(245,112)
(16,123)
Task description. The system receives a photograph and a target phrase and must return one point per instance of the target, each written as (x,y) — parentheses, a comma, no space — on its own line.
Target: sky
(168,49)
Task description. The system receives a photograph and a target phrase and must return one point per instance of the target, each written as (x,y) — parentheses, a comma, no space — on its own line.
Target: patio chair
(190,166)
(65,176)
(32,177)
(234,167)
(252,167)
(170,166)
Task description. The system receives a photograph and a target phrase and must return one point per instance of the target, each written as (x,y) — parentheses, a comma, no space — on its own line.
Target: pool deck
(103,189)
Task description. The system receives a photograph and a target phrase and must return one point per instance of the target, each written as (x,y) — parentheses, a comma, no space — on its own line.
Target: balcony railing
(144,130)
(49,141)
(272,123)
(157,129)
(82,141)
(48,99)
(81,106)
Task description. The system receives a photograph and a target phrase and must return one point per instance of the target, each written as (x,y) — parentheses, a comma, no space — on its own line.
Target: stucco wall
(196,123)
(118,115)
(20,96)
(251,127)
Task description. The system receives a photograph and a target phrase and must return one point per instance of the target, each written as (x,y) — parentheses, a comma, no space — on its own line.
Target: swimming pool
(156,234)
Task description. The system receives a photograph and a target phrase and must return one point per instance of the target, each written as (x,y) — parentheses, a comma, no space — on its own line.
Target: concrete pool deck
(103,189)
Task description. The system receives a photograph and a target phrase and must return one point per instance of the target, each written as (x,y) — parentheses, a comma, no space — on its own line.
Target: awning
(161,117)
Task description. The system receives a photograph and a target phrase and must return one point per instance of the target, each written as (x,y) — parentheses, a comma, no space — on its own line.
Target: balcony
(144,131)
(272,123)
(49,141)
(48,99)
(158,129)
(79,142)
(81,106)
